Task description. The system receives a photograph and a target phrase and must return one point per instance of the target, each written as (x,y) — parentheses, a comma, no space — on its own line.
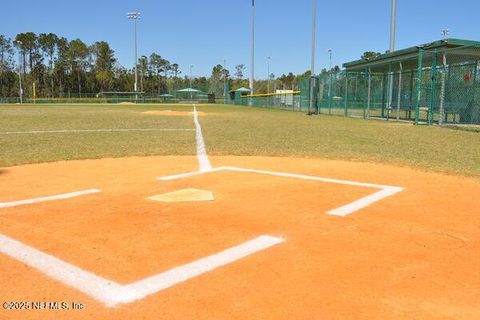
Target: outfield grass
(33,148)
(230,130)
(254,131)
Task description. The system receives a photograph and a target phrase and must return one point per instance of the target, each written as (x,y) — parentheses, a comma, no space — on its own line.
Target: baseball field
(228,212)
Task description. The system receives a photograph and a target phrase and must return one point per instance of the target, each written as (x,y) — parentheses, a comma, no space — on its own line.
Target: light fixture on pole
(135,16)
(445,33)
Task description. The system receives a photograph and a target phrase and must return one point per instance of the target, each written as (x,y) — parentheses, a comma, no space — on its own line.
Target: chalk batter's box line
(384,190)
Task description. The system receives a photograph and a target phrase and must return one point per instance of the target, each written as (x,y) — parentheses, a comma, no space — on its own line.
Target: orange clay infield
(413,255)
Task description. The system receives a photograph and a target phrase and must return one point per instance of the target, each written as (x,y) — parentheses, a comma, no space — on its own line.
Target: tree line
(53,66)
(49,65)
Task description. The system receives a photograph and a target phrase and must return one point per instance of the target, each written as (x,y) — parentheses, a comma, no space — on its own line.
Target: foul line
(48,198)
(111,293)
(203,162)
(91,130)
(384,192)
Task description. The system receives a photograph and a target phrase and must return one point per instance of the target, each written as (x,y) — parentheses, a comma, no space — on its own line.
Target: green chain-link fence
(428,86)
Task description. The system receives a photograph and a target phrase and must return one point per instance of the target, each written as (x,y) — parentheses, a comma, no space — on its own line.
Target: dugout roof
(465,50)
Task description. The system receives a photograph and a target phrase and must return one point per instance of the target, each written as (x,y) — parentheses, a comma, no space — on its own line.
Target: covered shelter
(188,93)
(238,93)
(432,82)
(166,97)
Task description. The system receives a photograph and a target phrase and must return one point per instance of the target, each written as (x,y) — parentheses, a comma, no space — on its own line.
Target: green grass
(232,130)
(32,148)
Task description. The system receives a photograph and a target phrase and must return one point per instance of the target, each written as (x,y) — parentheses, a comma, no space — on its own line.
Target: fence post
(330,92)
(419,84)
(390,90)
(346,94)
(433,88)
(369,93)
(399,90)
(367,107)
(442,89)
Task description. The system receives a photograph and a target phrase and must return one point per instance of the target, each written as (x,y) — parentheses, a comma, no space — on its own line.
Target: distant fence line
(440,86)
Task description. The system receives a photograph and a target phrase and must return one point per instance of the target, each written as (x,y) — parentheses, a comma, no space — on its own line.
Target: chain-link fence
(432,83)
(288,100)
(426,86)
(190,95)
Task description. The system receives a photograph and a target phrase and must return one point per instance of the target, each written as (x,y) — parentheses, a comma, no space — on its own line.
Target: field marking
(188,174)
(385,190)
(48,198)
(364,202)
(91,130)
(111,293)
(202,156)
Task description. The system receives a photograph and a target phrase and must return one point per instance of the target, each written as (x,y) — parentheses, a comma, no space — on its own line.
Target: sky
(205,33)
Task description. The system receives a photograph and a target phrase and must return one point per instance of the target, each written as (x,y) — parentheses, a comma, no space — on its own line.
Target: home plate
(184,195)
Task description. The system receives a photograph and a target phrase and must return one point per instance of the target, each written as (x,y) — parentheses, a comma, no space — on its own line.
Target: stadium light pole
(135,16)
(268,73)
(252,67)
(312,68)
(393,19)
(20,91)
(224,79)
(330,73)
(191,79)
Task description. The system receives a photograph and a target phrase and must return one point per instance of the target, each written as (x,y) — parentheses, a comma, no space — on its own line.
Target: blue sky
(204,33)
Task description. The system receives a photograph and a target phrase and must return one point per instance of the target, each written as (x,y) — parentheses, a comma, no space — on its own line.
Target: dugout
(238,93)
(432,82)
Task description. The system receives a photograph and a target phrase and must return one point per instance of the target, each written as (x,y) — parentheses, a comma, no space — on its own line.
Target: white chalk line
(189,174)
(203,162)
(48,198)
(93,130)
(364,202)
(385,191)
(111,293)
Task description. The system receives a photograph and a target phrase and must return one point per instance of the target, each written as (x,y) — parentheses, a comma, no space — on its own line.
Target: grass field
(227,130)
(259,224)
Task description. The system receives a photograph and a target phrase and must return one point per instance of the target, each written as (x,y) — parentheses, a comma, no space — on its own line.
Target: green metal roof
(409,53)
(189,90)
(242,89)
